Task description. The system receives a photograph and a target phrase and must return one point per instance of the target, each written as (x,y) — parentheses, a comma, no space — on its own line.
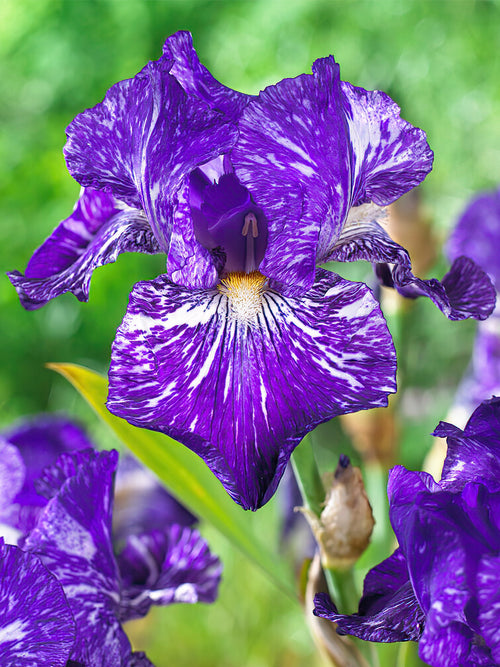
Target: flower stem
(308,477)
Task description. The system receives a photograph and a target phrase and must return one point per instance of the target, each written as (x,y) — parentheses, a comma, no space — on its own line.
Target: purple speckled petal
(98,230)
(242,394)
(474,453)
(441,548)
(388,610)
(163,567)
(73,540)
(477,234)
(292,154)
(188,262)
(196,79)
(399,620)
(488,596)
(390,155)
(465,291)
(142,504)
(143,140)
(66,465)
(36,624)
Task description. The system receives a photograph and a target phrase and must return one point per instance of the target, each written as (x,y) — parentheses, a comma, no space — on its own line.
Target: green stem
(308,477)
(343,589)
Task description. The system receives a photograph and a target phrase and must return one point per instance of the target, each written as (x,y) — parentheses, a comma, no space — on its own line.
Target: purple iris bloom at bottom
(441,587)
(105,581)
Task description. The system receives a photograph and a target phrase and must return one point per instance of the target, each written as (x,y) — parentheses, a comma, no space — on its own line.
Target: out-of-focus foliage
(438,60)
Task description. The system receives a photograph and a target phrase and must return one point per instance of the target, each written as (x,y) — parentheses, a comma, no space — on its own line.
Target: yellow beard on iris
(244,292)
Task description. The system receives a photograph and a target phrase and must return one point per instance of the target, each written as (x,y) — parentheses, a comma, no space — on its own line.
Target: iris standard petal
(197,80)
(241,379)
(292,153)
(142,141)
(73,540)
(390,156)
(36,624)
(98,230)
(163,567)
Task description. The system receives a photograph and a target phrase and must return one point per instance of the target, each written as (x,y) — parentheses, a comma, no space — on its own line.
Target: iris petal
(242,393)
(36,625)
(196,79)
(73,540)
(465,291)
(163,567)
(98,230)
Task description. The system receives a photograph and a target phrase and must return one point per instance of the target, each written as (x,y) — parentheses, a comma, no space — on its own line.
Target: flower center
(226,219)
(244,292)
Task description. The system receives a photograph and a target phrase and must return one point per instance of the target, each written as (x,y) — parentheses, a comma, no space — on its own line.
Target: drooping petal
(293,155)
(388,610)
(143,140)
(163,567)
(241,382)
(474,453)
(477,234)
(99,229)
(465,291)
(73,540)
(390,156)
(196,79)
(36,624)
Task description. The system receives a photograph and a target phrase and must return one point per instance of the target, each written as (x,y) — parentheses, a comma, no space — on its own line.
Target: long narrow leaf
(184,474)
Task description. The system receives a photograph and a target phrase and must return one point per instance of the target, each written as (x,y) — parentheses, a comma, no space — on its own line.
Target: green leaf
(184,474)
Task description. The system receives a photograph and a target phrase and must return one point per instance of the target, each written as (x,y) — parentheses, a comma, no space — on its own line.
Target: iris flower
(244,345)
(441,586)
(106,576)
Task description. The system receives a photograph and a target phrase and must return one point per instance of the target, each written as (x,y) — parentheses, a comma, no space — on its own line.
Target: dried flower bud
(345,526)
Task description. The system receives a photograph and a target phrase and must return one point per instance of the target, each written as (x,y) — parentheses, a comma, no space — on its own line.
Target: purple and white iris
(441,587)
(98,578)
(244,345)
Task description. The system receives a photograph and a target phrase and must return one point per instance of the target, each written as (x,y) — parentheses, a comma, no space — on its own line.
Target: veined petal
(474,453)
(73,540)
(164,567)
(241,382)
(145,137)
(36,624)
(465,291)
(98,230)
(197,80)
(390,155)
(292,154)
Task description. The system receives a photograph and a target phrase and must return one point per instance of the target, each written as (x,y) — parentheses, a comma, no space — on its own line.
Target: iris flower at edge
(244,345)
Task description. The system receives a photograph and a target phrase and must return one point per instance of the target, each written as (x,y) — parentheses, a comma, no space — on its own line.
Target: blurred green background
(439,60)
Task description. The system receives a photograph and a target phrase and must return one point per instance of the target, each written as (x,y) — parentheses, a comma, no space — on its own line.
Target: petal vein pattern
(242,392)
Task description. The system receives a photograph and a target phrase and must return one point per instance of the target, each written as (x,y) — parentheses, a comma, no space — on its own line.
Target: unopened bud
(345,526)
